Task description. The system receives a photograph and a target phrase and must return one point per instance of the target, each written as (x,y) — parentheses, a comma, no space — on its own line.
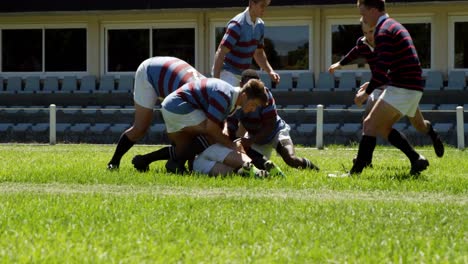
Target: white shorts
(206,160)
(176,122)
(372,99)
(404,100)
(143,92)
(267,149)
(231,78)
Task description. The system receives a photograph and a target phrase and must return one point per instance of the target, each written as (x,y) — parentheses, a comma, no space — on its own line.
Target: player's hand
(360,98)
(239,146)
(363,87)
(334,67)
(274,76)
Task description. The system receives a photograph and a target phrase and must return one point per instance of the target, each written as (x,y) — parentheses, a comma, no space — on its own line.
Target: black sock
(122,147)
(258,160)
(160,154)
(365,152)
(431,131)
(398,139)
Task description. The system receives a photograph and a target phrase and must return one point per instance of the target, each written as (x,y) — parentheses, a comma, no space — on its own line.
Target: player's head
(248,75)
(371,10)
(258,7)
(252,95)
(368,32)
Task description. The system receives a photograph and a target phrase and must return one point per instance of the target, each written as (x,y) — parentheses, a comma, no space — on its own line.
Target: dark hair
(248,75)
(378,4)
(255,89)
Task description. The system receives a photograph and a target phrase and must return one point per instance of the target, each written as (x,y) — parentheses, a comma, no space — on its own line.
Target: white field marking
(242,193)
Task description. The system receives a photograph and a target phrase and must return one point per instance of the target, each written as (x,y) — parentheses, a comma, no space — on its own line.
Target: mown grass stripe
(305,194)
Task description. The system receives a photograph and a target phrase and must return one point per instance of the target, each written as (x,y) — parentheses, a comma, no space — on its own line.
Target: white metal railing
(460,127)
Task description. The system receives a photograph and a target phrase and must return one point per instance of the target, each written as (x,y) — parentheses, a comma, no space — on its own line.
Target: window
(461,45)
(128,47)
(176,42)
(22,50)
(65,50)
(286,44)
(44,50)
(342,35)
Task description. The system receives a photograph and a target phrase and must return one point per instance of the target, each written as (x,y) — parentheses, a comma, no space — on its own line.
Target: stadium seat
(2,86)
(347,81)
(305,82)
(69,84)
(434,81)
(326,82)
(400,126)
(91,109)
(33,109)
(351,127)
(4,127)
(125,84)
(292,109)
(443,127)
(286,82)
(456,80)
(32,84)
(21,127)
(365,77)
(158,128)
(99,127)
(119,128)
(14,109)
(88,84)
(451,107)
(72,109)
(14,84)
(330,128)
(51,85)
(40,127)
(79,127)
(425,107)
(106,84)
(336,106)
(62,127)
(110,109)
(306,128)
(265,78)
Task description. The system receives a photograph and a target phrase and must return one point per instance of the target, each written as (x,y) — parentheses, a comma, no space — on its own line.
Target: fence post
(52,124)
(460,128)
(319,132)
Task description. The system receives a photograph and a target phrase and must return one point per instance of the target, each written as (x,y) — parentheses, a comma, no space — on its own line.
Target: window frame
(43,28)
(353,20)
(299,21)
(192,24)
(452,19)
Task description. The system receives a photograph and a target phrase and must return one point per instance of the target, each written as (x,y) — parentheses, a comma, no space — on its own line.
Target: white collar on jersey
(249,19)
(364,40)
(235,95)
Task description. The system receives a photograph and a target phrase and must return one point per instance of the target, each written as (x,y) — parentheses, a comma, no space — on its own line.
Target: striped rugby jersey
(397,60)
(242,38)
(167,74)
(253,121)
(215,97)
(362,49)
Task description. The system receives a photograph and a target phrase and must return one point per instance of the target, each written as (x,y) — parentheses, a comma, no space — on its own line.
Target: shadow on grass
(399,173)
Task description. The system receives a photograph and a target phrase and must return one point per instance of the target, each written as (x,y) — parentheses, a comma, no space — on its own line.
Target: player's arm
(268,124)
(215,132)
(262,61)
(219,59)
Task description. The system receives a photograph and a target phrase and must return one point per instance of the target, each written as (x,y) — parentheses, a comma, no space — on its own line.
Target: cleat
(367,164)
(175,167)
(140,164)
(249,170)
(311,166)
(273,169)
(419,165)
(112,167)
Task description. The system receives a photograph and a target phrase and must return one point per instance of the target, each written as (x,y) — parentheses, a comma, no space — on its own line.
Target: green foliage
(58,204)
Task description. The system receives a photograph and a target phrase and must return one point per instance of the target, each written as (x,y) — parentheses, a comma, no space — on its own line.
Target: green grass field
(58,204)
